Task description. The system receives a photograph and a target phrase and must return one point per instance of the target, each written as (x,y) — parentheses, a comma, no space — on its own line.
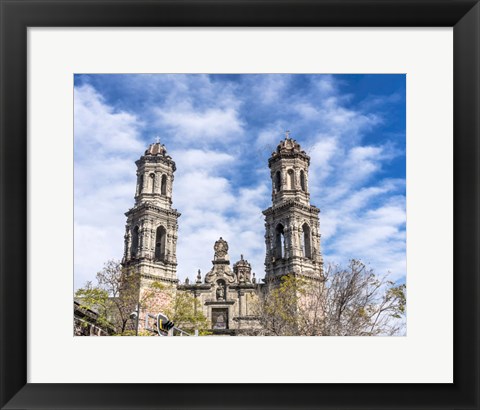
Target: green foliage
(281,305)
(96,299)
(186,312)
(133,333)
(158,286)
(114,296)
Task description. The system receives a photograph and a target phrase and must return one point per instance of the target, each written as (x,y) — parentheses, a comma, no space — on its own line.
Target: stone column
(141,239)
(169,183)
(141,184)
(137,188)
(287,232)
(174,248)
(127,242)
(151,244)
(158,178)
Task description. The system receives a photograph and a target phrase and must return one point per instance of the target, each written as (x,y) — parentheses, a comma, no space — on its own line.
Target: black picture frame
(18,15)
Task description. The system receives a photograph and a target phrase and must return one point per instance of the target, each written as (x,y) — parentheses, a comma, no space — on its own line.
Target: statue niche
(221,291)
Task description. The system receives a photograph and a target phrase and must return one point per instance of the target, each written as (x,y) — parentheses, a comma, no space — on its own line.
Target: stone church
(226,293)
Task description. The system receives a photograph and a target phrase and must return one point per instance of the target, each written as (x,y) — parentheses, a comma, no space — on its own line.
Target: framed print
(193,142)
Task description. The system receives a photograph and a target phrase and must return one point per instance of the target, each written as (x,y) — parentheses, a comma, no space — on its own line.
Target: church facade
(227,294)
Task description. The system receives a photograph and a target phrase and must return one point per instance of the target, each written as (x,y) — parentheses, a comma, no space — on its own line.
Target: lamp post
(136,315)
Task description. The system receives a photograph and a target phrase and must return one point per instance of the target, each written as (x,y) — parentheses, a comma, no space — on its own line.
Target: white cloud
(375,234)
(325,84)
(211,207)
(201,160)
(269,88)
(106,143)
(378,238)
(268,138)
(99,127)
(202,127)
(201,190)
(322,154)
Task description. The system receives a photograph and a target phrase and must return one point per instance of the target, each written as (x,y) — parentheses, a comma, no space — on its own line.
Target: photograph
(240,205)
(185,172)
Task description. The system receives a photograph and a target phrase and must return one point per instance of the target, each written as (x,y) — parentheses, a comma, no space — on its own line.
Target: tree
(117,293)
(114,297)
(278,307)
(186,312)
(349,301)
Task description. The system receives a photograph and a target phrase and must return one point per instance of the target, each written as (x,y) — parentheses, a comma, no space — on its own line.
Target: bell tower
(292,227)
(151,229)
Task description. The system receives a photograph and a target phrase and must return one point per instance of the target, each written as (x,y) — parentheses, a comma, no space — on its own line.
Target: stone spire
(151,229)
(292,224)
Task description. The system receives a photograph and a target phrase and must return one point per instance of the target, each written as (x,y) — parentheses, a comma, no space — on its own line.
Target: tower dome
(288,148)
(156,149)
(242,270)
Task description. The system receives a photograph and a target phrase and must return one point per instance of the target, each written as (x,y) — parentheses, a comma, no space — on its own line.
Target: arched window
(278,181)
(152,181)
(140,184)
(134,248)
(160,237)
(306,242)
(279,242)
(290,179)
(302,181)
(164,185)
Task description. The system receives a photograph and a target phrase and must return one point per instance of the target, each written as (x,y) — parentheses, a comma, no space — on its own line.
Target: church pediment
(221,270)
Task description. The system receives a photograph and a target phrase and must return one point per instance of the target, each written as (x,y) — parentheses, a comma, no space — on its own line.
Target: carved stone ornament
(221,265)
(229,275)
(220,271)
(221,249)
(210,276)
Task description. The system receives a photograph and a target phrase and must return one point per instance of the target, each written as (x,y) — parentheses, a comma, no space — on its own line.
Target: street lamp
(135,315)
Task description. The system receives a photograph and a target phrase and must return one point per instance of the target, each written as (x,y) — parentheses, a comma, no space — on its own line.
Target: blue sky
(221,130)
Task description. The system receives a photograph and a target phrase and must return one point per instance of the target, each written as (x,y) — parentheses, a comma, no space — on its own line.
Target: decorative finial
(157,139)
(287,134)
(241,257)
(199,277)
(254,280)
(187,281)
